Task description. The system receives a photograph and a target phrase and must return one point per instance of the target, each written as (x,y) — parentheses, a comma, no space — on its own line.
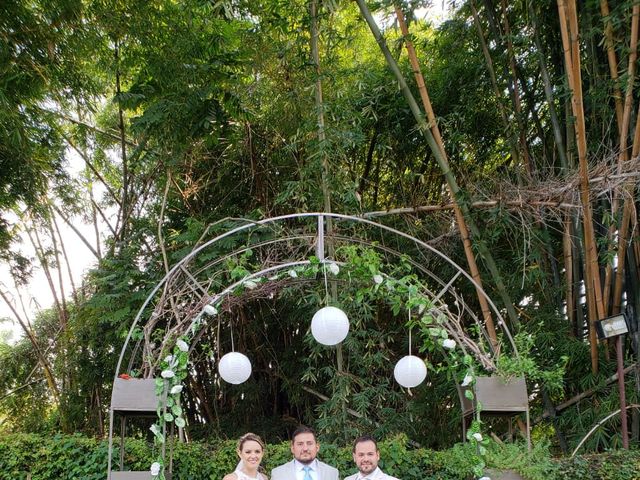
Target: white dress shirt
(377,474)
(313,466)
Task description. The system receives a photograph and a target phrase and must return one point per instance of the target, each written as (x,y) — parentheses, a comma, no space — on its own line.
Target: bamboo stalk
(93,128)
(515,91)
(567,247)
(569,30)
(628,219)
(462,225)
(631,70)
(623,156)
(326,191)
(478,204)
(442,163)
(611,57)
(548,91)
(587,393)
(315,57)
(494,82)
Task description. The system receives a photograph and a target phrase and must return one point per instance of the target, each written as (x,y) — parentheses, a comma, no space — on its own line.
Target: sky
(37,294)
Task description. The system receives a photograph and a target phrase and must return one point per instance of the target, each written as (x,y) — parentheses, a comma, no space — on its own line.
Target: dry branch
(555,195)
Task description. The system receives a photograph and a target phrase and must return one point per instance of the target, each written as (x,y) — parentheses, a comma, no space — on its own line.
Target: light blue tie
(307,475)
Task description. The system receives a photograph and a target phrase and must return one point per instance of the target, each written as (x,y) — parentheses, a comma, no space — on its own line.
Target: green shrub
(74,457)
(613,465)
(534,465)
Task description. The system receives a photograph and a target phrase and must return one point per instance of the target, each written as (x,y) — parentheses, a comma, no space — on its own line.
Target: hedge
(71,457)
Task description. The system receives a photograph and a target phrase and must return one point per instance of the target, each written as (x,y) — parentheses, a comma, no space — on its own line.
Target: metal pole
(623,402)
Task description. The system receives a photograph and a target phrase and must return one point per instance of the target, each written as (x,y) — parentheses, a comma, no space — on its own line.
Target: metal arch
(275,268)
(431,275)
(436,296)
(320,253)
(320,216)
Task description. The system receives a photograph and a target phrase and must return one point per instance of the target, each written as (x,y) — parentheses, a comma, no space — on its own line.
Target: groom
(305,465)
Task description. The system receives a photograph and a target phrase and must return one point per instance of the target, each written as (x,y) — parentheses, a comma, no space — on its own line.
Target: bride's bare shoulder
(230,476)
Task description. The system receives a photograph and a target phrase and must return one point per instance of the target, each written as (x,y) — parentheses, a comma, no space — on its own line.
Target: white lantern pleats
(329,326)
(410,371)
(235,368)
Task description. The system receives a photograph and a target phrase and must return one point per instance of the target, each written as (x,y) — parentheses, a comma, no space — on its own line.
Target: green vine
(396,285)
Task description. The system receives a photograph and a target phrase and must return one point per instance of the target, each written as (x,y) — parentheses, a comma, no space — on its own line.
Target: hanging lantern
(329,326)
(234,367)
(410,371)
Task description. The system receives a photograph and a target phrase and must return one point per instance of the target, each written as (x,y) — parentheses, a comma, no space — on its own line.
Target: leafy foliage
(71,457)
(214,102)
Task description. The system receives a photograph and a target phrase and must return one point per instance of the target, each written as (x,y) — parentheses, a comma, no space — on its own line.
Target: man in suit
(305,465)
(366,455)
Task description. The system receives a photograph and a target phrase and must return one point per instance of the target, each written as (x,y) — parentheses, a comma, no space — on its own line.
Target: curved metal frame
(320,247)
(600,423)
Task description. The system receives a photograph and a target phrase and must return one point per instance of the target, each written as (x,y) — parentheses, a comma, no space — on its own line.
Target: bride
(250,451)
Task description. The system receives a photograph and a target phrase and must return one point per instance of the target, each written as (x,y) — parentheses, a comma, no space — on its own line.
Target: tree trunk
(46,368)
(125,208)
(74,292)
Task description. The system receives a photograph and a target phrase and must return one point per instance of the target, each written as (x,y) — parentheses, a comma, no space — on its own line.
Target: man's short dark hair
(364,438)
(303,429)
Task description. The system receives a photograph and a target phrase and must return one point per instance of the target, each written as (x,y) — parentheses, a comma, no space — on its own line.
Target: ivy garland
(360,264)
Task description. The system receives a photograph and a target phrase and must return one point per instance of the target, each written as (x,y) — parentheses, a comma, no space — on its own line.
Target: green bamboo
(443,163)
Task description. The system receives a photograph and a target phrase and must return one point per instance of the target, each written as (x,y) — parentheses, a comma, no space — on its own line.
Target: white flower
(169,359)
(293,274)
(155,469)
(449,343)
(378,279)
(167,374)
(194,326)
(477,436)
(176,389)
(467,380)
(182,345)
(210,310)
(334,268)
(250,284)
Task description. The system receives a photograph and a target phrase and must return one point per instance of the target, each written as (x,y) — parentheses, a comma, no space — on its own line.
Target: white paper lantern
(329,326)
(234,367)
(410,371)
